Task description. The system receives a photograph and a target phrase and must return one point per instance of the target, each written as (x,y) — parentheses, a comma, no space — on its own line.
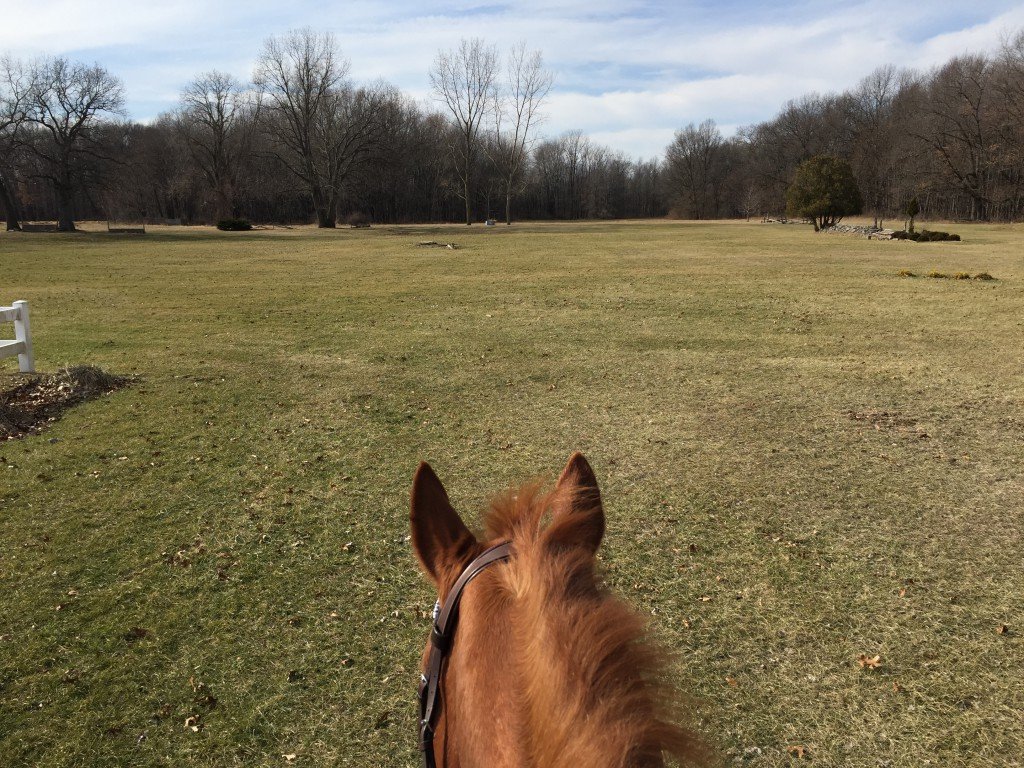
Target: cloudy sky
(627,72)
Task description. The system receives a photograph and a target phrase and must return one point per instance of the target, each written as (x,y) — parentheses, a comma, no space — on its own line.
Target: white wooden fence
(21,344)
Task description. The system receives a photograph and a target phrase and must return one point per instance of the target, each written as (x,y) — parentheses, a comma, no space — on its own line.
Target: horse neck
(580,704)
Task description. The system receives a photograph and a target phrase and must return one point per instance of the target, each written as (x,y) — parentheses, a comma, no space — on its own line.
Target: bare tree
(956,124)
(463,79)
(694,168)
(216,118)
(13,94)
(68,102)
(517,114)
(875,150)
(321,125)
(1010,87)
(1010,78)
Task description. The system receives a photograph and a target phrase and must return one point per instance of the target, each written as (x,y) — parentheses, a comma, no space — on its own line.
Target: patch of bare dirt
(888,421)
(28,407)
(435,244)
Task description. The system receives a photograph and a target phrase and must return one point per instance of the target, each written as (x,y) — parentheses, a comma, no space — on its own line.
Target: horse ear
(439,537)
(578,517)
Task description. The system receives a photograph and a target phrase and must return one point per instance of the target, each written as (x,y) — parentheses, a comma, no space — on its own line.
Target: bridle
(441,634)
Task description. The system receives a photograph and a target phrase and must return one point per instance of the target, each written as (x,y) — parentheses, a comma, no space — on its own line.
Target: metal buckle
(426,736)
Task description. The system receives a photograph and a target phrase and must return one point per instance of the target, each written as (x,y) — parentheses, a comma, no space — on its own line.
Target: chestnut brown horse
(543,668)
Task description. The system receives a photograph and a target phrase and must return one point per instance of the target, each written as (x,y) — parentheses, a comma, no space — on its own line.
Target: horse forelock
(590,682)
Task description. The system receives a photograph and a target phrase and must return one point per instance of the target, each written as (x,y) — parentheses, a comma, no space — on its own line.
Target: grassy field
(805,458)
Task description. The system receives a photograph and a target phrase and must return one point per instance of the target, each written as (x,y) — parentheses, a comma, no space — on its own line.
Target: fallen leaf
(798,751)
(289,758)
(1002,629)
(874,662)
(731,681)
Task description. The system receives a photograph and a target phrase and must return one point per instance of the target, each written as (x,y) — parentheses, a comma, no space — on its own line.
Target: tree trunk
(223,208)
(508,206)
(326,210)
(9,201)
(465,192)
(326,219)
(65,213)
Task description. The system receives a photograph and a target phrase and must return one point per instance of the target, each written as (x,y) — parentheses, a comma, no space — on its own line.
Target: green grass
(227,539)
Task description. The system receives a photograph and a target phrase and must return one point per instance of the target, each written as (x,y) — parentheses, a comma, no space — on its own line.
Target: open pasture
(805,459)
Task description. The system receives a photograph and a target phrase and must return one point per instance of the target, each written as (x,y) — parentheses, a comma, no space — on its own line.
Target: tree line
(952,138)
(301,141)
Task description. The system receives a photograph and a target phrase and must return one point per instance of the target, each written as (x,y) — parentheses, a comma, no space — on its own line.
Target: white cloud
(627,72)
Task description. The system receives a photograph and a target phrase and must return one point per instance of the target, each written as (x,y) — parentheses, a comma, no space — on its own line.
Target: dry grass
(807,461)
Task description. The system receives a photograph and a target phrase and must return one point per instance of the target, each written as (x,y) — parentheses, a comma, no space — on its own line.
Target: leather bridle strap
(441,635)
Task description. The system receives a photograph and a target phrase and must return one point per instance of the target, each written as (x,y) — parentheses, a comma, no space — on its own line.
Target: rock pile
(868,231)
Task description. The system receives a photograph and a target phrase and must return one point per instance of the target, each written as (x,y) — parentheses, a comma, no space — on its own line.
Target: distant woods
(302,142)
(953,138)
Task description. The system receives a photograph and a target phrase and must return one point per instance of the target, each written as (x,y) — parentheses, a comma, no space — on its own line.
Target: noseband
(441,634)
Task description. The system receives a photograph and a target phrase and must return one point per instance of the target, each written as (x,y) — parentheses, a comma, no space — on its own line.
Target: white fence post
(23,333)
(21,344)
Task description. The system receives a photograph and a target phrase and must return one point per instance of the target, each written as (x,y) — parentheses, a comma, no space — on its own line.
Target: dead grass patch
(888,421)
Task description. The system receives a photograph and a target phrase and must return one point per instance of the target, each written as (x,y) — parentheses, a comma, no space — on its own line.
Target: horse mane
(594,691)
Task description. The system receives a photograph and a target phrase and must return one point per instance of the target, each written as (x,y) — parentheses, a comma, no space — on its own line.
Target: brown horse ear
(578,517)
(439,537)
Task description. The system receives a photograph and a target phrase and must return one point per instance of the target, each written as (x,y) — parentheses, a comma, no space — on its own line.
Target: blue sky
(627,73)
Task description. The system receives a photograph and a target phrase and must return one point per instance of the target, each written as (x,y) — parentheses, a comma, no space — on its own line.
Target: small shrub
(911,210)
(906,273)
(937,237)
(962,276)
(983,276)
(234,225)
(936,273)
(926,236)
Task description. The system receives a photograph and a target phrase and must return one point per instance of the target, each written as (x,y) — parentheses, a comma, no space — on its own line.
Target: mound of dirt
(29,406)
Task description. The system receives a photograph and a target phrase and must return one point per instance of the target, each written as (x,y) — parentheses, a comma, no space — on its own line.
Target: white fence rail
(21,344)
